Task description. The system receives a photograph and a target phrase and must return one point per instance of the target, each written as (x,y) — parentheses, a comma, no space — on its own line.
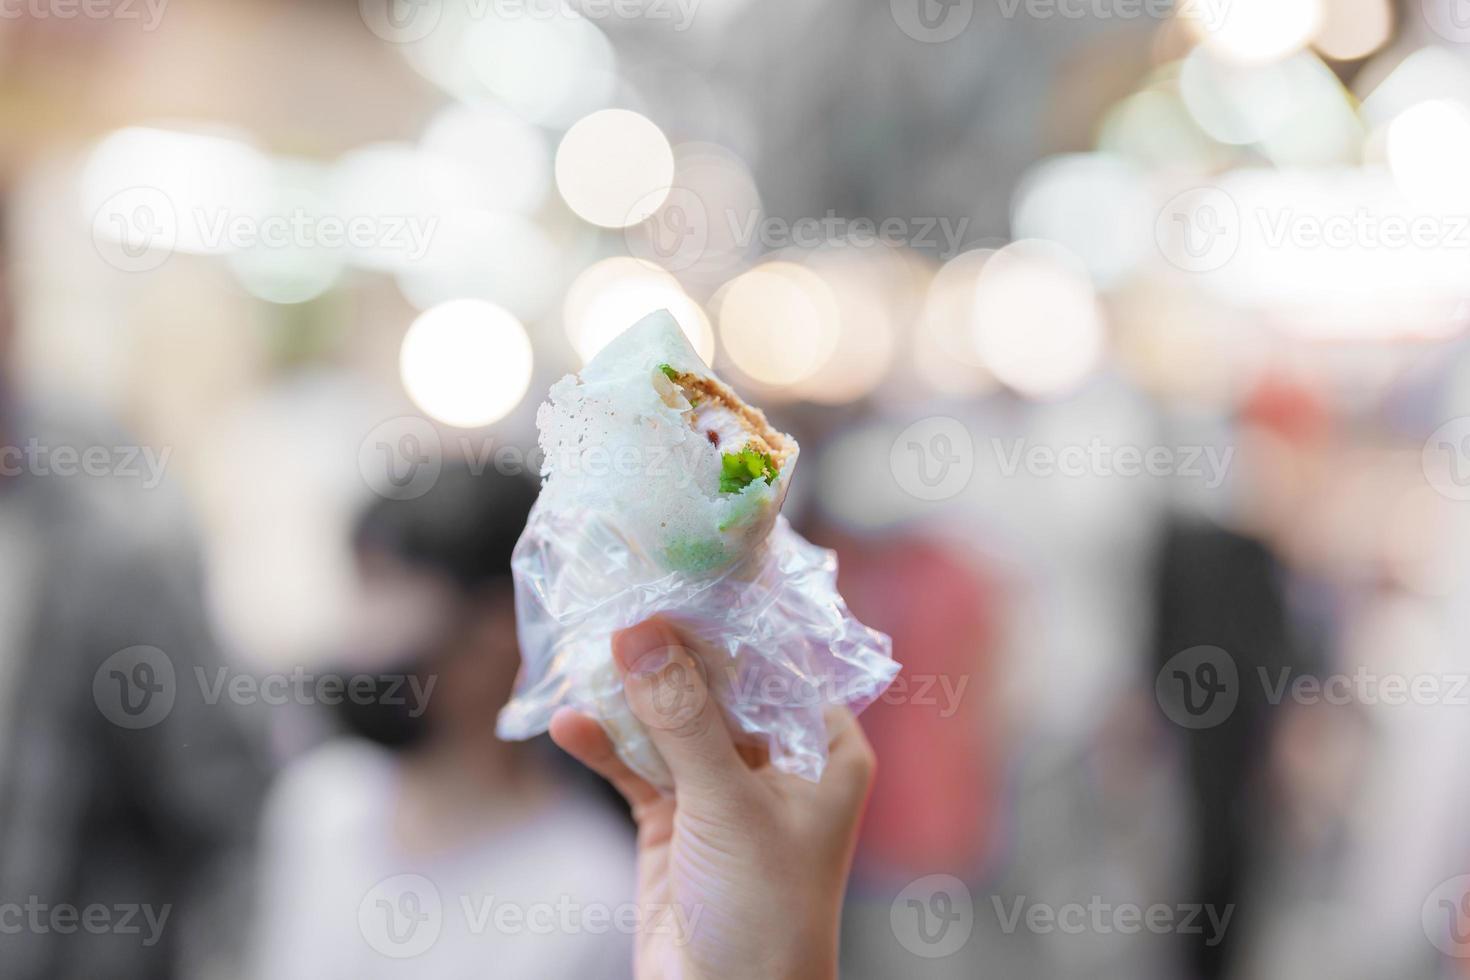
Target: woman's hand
(751,862)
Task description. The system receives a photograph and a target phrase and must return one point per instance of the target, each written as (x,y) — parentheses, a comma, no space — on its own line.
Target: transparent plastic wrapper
(662,495)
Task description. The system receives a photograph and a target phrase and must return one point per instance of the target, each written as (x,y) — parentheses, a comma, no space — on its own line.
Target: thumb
(667,691)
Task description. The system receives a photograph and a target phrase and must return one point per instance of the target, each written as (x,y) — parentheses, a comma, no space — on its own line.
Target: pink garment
(933,803)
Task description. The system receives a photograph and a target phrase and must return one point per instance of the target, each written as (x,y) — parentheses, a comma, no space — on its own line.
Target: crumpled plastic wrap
(774,638)
(634,520)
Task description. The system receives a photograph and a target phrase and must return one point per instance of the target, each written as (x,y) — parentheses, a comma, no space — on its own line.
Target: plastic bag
(662,496)
(775,640)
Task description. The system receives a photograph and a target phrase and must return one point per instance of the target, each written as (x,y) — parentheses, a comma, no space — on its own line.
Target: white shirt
(341,898)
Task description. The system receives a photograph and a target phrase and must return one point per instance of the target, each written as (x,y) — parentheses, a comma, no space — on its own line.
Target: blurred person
(936,808)
(128,798)
(422,811)
(1231,588)
(1220,589)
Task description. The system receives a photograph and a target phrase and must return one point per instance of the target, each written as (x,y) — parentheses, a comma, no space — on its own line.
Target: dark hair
(464,527)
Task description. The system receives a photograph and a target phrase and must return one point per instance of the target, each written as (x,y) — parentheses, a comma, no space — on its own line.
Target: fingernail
(643,648)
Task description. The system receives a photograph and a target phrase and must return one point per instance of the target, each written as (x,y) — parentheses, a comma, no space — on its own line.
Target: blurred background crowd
(1124,340)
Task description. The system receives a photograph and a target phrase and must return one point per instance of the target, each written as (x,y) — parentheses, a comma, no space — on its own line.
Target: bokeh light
(1037,322)
(944,354)
(503,258)
(779,322)
(703,229)
(292,271)
(614,168)
(1353,29)
(193,183)
(390,190)
(466,363)
(1424,75)
(866,333)
(1153,129)
(612,295)
(502,161)
(1295,110)
(1097,205)
(1429,153)
(548,69)
(1234,103)
(1259,30)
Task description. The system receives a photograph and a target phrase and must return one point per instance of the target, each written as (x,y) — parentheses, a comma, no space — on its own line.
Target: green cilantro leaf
(739,470)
